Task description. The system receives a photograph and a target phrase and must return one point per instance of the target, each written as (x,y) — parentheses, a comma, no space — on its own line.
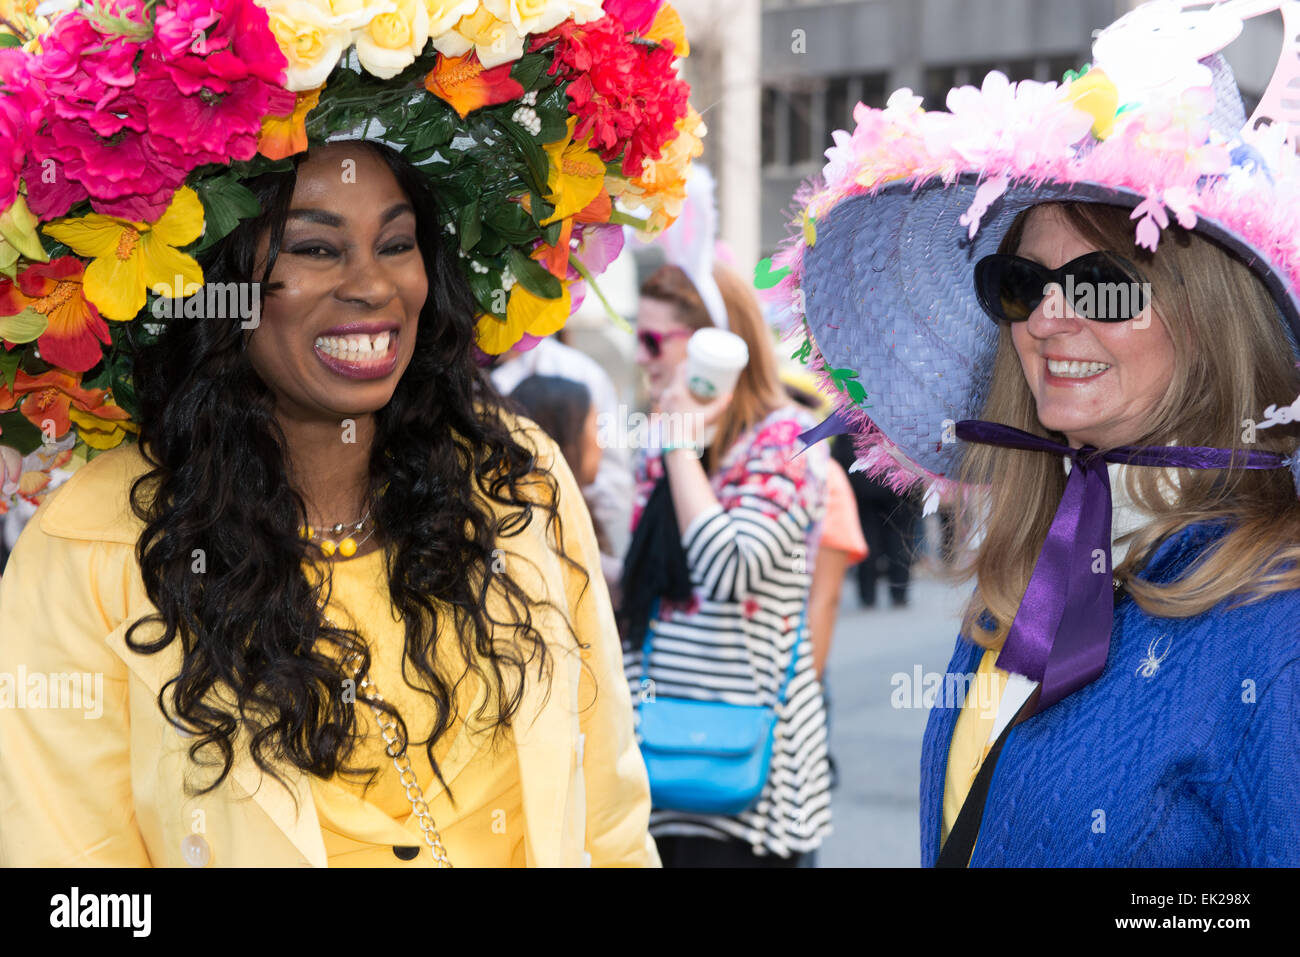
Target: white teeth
(1075,370)
(357,347)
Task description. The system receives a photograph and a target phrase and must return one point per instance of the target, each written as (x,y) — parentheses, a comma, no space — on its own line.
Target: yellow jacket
(79,790)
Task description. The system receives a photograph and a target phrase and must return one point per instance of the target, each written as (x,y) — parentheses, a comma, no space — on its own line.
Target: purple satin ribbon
(1061,633)
(836,424)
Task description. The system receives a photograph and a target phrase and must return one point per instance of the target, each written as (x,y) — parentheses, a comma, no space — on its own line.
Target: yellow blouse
(361,825)
(970,737)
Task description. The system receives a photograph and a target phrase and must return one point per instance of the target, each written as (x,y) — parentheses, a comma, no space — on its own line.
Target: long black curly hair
(251,622)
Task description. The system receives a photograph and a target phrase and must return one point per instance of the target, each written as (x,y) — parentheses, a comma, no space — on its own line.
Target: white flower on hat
(584,11)
(314,35)
(902,103)
(529,16)
(495,41)
(390,42)
(444,14)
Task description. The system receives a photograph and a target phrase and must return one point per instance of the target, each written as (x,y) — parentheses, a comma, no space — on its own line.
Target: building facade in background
(819,59)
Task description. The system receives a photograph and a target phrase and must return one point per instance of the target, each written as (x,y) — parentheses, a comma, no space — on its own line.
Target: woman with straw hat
(1078,305)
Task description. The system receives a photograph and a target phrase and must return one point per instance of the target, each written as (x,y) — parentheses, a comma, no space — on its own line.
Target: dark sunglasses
(1099,286)
(654,341)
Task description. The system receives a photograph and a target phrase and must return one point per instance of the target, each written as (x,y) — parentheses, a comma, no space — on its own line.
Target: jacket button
(195,850)
(406,852)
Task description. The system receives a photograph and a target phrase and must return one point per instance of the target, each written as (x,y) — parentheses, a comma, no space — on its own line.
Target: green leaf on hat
(512,222)
(857,394)
(843,380)
(553,110)
(434,125)
(534,276)
(528,69)
(487,288)
(470,226)
(765,278)
(9,366)
(804,352)
(27,326)
(9,40)
(540,209)
(225,202)
(17,433)
(536,163)
(490,243)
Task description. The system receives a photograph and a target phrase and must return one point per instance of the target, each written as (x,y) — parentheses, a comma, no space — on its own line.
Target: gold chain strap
(405,775)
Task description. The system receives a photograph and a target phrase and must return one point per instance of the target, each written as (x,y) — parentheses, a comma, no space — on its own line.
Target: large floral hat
(878,268)
(128,126)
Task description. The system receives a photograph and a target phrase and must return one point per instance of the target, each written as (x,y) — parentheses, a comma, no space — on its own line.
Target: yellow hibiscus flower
(128,258)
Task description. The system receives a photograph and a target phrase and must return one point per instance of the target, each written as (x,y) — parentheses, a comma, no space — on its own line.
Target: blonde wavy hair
(1232,360)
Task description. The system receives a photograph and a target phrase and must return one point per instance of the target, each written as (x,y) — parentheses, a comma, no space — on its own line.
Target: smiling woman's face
(339,331)
(1099,383)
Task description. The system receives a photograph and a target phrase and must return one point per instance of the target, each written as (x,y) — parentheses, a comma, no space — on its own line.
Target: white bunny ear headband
(1168,44)
(688,243)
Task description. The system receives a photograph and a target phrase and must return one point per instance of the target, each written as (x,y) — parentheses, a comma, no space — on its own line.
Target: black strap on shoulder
(957,850)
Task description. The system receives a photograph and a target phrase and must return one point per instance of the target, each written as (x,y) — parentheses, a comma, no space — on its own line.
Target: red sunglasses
(654,341)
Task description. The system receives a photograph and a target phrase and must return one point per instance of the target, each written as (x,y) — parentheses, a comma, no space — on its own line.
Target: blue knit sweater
(1185,752)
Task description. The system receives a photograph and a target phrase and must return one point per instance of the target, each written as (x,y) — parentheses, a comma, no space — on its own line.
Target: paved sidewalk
(877,746)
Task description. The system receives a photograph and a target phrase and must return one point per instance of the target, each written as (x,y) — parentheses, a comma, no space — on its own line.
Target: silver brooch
(1151,663)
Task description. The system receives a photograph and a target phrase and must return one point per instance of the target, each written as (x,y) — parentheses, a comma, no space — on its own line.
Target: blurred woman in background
(721,540)
(565,411)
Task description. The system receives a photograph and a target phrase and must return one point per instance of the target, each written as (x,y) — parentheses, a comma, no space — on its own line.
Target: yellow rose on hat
(311,36)
(495,41)
(529,16)
(445,14)
(390,42)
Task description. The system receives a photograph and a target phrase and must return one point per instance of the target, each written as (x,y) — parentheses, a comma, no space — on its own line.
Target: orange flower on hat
(75,335)
(661,186)
(667,25)
(283,136)
(50,396)
(464,83)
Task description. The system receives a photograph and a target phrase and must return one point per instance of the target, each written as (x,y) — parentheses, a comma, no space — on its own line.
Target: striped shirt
(751,565)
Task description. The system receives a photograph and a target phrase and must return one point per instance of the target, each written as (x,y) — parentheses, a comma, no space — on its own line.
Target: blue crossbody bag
(706,757)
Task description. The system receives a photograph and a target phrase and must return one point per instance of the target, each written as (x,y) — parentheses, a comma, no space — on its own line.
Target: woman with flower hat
(1108,408)
(346,610)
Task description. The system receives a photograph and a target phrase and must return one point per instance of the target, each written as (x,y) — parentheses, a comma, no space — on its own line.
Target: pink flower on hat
(20,105)
(207,97)
(1028,123)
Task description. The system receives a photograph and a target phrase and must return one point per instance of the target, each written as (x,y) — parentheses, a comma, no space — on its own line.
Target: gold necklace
(405,774)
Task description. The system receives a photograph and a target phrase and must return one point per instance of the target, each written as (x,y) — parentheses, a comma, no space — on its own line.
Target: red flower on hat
(76,334)
(626,95)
